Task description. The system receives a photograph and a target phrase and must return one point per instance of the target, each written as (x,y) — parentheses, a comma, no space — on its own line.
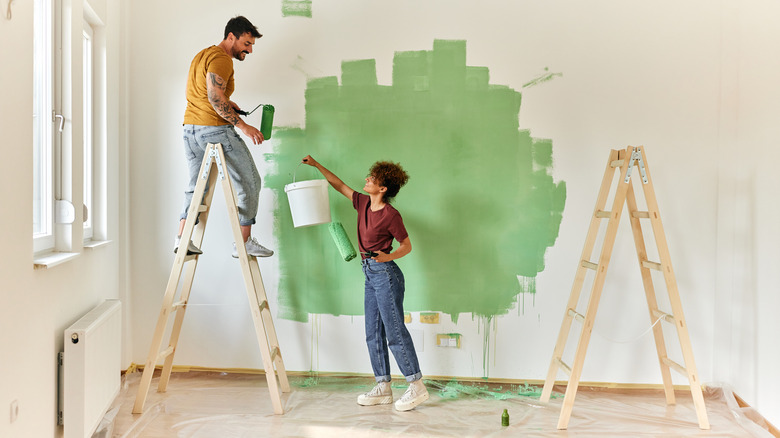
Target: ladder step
(576,315)
(190,257)
(676,366)
(178,305)
(603,214)
(652,265)
(616,163)
(264,305)
(566,369)
(202,208)
(641,214)
(663,315)
(165,353)
(590,265)
(274,353)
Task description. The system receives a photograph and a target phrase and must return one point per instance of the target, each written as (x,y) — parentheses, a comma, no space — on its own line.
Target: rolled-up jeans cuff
(414,377)
(248,222)
(380,379)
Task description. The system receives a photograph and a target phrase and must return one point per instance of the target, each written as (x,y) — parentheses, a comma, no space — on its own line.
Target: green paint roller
(267,121)
(342,241)
(266,118)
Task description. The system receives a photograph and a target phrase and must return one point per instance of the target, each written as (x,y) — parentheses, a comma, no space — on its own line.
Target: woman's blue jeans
(384,310)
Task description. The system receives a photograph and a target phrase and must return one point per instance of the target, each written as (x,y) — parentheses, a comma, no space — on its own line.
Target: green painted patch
(296,8)
(481,206)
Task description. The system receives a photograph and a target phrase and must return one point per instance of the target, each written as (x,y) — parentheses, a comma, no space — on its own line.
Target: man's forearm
(220,102)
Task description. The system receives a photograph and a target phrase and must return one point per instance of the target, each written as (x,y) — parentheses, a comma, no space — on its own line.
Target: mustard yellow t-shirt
(199,110)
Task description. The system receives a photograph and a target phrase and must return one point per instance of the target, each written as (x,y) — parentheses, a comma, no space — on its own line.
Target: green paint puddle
(449,390)
(481,206)
(296,8)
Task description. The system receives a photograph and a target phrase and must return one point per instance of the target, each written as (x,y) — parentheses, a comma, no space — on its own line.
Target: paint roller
(342,241)
(266,119)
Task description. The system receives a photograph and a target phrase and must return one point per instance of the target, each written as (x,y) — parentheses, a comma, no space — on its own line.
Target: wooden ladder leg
(579,277)
(204,204)
(268,323)
(170,293)
(595,295)
(249,282)
(675,302)
(647,282)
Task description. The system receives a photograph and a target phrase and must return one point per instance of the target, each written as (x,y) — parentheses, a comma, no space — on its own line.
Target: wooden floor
(213,404)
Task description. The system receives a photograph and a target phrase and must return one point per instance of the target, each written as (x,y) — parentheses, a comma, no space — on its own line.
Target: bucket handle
(296,170)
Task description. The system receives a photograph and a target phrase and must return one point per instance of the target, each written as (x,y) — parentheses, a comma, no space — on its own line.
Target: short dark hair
(390,175)
(239,26)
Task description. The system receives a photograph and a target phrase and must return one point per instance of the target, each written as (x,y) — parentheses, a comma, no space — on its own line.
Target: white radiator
(91,369)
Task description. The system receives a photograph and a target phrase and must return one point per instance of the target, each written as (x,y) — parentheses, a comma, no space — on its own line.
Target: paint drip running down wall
(481,206)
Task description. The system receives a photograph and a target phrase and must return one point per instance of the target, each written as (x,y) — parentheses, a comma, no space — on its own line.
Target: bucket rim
(304,184)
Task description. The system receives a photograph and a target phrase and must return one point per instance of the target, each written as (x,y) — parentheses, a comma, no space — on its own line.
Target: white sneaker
(415,394)
(191,248)
(382,394)
(254,249)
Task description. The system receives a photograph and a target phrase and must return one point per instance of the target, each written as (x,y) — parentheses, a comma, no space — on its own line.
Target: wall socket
(14,410)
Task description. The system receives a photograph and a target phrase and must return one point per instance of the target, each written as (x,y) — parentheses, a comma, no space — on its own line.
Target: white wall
(37,305)
(694,82)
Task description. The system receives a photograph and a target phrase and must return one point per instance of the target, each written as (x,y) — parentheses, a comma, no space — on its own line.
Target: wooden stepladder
(625,160)
(214,159)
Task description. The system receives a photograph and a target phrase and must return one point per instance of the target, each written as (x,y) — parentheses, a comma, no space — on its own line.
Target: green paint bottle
(505,418)
(267,121)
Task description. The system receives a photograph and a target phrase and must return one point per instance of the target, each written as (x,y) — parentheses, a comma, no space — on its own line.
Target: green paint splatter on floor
(481,205)
(448,390)
(296,8)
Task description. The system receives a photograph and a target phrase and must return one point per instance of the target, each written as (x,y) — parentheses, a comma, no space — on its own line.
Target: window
(44,133)
(89,117)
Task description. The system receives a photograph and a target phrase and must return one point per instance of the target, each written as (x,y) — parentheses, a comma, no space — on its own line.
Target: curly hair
(390,175)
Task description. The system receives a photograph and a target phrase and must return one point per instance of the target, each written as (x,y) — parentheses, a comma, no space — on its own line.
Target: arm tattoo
(216,94)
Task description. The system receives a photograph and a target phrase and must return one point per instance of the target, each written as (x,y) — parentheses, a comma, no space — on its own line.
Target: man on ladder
(211,117)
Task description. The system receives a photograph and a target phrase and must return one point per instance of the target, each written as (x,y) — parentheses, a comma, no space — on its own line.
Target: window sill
(51,259)
(92,244)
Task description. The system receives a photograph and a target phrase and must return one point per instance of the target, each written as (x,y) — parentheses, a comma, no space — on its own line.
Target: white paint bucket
(308,202)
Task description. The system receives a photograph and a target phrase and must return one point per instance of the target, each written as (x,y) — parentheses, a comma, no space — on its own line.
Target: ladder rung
(652,265)
(178,305)
(603,214)
(577,316)
(263,305)
(616,163)
(641,214)
(665,316)
(189,257)
(589,265)
(165,353)
(274,353)
(676,366)
(566,369)
(202,208)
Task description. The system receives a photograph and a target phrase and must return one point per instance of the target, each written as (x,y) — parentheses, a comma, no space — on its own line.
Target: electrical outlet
(14,410)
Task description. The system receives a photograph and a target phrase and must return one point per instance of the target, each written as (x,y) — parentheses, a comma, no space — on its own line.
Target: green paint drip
(481,206)
(296,8)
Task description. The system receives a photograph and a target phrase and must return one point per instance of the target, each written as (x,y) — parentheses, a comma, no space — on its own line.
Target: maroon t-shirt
(376,229)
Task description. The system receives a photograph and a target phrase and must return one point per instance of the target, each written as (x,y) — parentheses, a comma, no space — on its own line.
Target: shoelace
(410,393)
(376,391)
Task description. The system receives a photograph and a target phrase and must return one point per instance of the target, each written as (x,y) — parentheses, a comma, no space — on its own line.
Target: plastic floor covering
(225,405)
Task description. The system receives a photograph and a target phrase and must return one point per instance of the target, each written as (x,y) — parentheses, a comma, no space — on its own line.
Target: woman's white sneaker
(382,394)
(415,394)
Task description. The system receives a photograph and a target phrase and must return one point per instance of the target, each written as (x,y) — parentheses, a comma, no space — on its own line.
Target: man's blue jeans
(384,310)
(240,165)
